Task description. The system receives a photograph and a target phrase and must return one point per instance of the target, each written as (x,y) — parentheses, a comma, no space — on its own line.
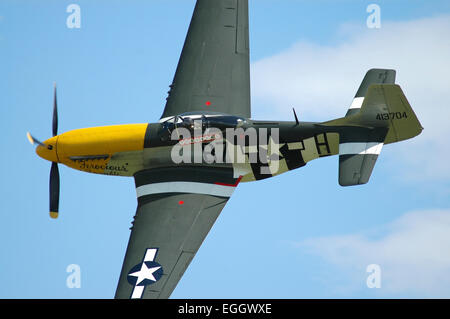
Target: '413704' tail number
(391,116)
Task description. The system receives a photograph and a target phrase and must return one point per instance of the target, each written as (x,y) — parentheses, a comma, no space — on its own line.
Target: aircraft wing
(177,207)
(213,73)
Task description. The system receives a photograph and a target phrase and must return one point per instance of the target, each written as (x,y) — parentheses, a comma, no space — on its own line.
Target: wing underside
(176,209)
(213,73)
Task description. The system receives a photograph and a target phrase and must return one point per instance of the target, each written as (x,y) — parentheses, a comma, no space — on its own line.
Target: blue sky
(298,235)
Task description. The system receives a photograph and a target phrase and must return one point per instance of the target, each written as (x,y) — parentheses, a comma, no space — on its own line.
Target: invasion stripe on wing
(360,148)
(186,187)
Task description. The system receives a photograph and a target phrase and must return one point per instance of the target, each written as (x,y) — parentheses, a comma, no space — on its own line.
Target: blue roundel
(145,273)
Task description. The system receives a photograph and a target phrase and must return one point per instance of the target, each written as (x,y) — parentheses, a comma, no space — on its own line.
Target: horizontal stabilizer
(358,151)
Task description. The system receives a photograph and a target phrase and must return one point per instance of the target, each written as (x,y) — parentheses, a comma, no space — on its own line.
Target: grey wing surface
(213,73)
(176,209)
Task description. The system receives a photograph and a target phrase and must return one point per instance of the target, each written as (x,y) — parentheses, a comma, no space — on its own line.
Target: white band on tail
(357,102)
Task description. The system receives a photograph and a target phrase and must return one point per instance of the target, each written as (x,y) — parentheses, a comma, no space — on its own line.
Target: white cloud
(320,81)
(412,251)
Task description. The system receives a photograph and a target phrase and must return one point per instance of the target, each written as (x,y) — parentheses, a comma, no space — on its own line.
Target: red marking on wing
(231,185)
(208,103)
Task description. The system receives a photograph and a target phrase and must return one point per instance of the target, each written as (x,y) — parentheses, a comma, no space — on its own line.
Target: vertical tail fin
(373,76)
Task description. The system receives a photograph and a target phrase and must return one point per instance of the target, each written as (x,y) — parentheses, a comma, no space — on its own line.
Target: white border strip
(360,148)
(185,187)
(357,103)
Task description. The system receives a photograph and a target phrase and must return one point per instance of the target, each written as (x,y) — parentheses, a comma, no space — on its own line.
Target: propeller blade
(33,140)
(54,190)
(55,113)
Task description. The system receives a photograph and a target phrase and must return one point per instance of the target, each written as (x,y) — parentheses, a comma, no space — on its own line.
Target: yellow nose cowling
(48,151)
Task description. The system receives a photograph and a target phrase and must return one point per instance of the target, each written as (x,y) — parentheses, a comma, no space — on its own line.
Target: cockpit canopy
(200,121)
(192,121)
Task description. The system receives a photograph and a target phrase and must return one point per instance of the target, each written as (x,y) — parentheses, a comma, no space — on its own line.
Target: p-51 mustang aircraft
(188,164)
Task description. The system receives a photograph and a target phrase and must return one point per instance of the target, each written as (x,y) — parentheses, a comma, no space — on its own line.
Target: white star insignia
(144,273)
